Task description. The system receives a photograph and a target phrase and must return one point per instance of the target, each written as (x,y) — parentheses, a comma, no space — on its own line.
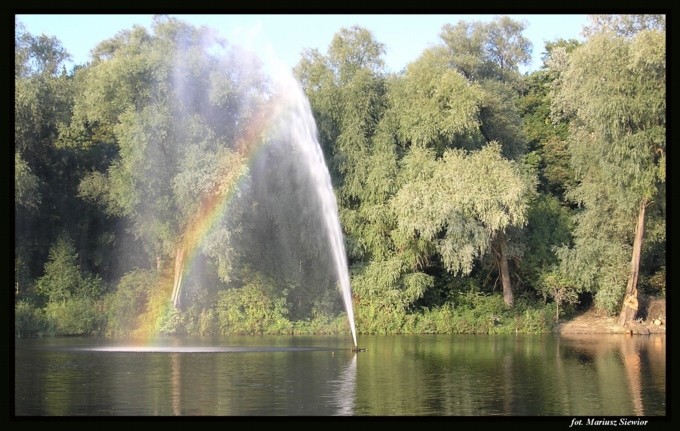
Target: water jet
(295,233)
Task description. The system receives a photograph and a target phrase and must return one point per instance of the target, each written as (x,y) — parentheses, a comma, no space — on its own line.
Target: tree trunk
(630,302)
(508,297)
(177,284)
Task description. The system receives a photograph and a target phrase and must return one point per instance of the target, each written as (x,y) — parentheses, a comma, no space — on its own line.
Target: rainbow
(214,205)
(261,125)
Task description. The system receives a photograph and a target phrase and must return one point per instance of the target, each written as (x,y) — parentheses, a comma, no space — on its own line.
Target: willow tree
(464,202)
(487,50)
(177,102)
(346,89)
(613,89)
(489,55)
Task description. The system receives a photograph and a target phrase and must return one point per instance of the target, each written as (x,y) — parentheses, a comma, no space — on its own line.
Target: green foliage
(536,319)
(613,90)
(321,325)
(74,316)
(28,319)
(373,317)
(435,170)
(473,312)
(500,118)
(470,198)
(175,124)
(657,282)
(200,321)
(252,309)
(434,103)
(169,321)
(42,96)
(73,305)
(492,50)
(549,225)
(566,45)
(546,139)
(22,281)
(129,301)
(624,25)
(63,279)
(619,132)
(346,88)
(600,266)
(560,288)
(26,184)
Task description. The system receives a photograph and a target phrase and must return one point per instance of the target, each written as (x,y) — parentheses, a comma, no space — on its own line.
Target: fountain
(282,138)
(303,134)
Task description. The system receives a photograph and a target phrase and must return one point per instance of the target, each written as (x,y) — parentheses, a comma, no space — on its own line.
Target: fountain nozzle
(358,349)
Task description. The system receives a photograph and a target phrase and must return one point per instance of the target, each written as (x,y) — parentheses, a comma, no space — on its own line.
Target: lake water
(424,375)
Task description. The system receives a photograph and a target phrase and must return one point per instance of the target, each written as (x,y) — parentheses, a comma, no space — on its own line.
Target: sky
(405,36)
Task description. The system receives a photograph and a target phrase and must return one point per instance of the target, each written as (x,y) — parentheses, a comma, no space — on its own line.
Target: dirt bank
(652,321)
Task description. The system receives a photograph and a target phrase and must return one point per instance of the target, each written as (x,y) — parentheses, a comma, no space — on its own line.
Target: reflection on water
(176,384)
(319,376)
(343,390)
(631,366)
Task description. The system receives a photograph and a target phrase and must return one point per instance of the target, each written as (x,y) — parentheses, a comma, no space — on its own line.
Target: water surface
(425,375)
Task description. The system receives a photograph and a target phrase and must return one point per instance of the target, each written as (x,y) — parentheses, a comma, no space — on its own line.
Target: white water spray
(298,121)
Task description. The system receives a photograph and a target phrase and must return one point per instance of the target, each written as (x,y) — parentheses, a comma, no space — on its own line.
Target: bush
(657,282)
(375,317)
(170,321)
(535,319)
(560,288)
(75,316)
(200,321)
(476,313)
(319,325)
(28,320)
(129,301)
(609,298)
(253,309)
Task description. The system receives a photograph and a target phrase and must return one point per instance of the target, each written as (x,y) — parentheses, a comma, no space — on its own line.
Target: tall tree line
(462,185)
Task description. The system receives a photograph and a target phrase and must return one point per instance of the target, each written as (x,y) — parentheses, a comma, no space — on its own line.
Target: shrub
(75,316)
(129,301)
(200,321)
(253,309)
(28,319)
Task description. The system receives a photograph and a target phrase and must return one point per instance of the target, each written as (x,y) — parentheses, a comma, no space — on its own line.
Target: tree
(349,94)
(489,54)
(431,105)
(346,89)
(624,25)
(182,131)
(26,184)
(566,45)
(613,90)
(435,106)
(465,203)
(492,50)
(47,171)
(63,279)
